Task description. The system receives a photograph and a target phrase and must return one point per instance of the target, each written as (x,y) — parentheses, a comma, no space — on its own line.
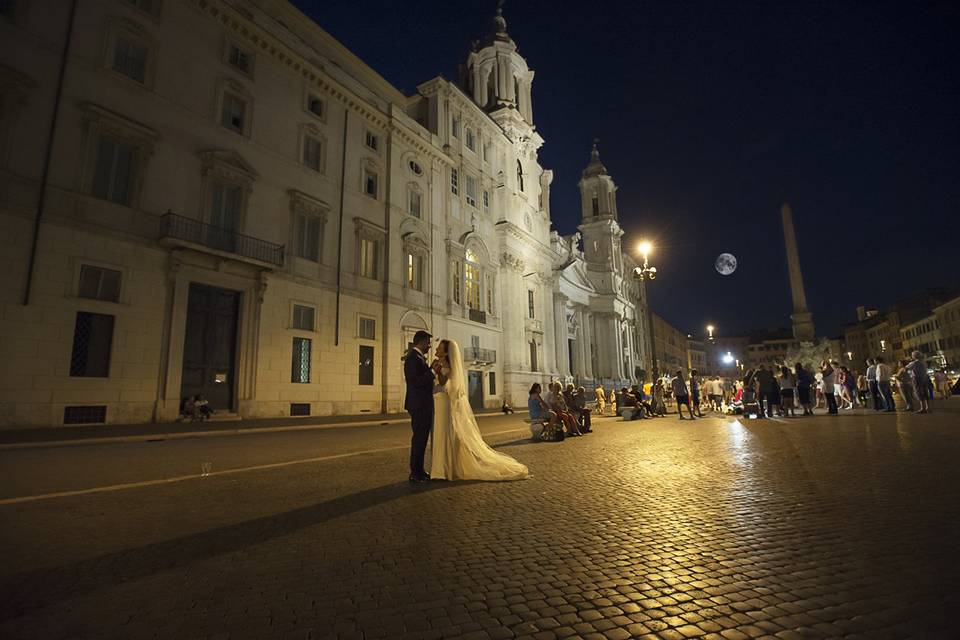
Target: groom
(420,379)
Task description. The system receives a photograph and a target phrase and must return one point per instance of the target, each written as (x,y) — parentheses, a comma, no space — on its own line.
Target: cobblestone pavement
(822,527)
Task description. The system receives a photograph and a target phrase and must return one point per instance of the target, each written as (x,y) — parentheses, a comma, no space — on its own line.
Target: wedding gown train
(458,451)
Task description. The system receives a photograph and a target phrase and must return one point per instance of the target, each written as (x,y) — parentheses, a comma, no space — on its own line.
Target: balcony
(192,233)
(476,315)
(476,355)
(533,324)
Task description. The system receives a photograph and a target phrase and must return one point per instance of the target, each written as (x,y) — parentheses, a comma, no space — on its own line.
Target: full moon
(726,264)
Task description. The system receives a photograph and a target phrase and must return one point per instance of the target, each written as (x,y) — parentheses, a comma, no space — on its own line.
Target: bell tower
(495,75)
(599,227)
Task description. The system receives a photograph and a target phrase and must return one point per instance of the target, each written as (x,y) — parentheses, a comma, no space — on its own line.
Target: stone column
(803,329)
(561,346)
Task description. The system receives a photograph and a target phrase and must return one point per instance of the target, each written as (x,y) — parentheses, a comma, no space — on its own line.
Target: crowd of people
(761,392)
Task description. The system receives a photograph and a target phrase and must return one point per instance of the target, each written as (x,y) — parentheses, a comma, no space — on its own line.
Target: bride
(458,451)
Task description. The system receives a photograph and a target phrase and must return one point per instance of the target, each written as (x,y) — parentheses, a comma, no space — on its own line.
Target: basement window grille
(85,414)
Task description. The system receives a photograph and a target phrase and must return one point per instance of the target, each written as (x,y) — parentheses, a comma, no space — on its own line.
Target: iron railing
(476,315)
(207,235)
(476,354)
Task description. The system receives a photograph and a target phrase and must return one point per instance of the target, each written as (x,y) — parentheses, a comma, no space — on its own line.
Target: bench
(536,426)
(627,412)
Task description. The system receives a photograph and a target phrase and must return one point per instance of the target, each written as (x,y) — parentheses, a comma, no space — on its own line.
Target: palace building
(217,197)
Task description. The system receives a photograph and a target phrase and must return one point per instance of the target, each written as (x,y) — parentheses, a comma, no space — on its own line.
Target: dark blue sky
(710,115)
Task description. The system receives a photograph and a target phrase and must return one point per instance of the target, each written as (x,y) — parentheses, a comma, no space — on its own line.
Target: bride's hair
(446,349)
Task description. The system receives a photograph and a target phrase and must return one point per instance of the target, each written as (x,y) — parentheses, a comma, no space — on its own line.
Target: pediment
(228,161)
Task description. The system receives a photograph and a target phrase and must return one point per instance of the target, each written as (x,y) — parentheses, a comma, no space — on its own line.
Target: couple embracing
(437,401)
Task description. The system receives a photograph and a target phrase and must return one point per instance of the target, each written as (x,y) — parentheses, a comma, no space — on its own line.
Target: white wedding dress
(458,451)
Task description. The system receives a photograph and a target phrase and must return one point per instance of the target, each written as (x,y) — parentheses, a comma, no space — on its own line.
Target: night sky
(710,115)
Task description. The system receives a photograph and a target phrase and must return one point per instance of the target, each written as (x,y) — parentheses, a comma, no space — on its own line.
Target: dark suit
(419,404)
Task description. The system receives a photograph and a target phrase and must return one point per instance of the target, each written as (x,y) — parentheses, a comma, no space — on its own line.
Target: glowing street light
(646,272)
(883,345)
(710,332)
(729,359)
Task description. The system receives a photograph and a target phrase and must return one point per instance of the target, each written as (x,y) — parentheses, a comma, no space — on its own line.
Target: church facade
(232,204)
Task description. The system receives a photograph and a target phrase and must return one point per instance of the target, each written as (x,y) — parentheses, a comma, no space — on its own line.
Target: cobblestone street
(819,527)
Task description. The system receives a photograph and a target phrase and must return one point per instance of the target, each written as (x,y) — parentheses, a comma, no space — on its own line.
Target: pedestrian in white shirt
(883,386)
(872,384)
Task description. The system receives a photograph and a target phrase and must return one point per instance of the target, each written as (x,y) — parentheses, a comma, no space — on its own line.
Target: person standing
(768,392)
(862,389)
(921,379)
(601,399)
(681,394)
(695,391)
(421,379)
(804,382)
(829,387)
(872,384)
(788,386)
(908,391)
(943,383)
(883,386)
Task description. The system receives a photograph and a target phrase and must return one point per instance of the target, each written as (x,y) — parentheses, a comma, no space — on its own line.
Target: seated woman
(543,422)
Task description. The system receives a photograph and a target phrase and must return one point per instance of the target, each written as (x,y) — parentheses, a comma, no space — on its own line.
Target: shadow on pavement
(23,592)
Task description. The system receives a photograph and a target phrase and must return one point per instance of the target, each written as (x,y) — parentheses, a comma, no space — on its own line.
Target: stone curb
(183,435)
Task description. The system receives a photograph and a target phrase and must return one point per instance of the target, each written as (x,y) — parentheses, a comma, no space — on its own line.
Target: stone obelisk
(802,319)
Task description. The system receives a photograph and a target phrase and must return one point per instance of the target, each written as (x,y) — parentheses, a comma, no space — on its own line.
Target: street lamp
(710,332)
(883,345)
(850,356)
(646,272)
(729,359)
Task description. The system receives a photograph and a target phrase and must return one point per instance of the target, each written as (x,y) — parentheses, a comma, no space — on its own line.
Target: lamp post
(646,272)
(710,332)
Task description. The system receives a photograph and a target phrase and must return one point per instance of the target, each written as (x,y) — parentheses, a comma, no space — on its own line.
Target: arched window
(520,175)
(516,91)
(472,280)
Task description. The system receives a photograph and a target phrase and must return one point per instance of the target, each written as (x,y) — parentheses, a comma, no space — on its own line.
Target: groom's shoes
(415,477)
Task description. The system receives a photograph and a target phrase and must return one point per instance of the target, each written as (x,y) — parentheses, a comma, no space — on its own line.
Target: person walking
(921,380)
(872,384)
(829,387)
(942,381)
(681,394)
(862,389)
(883,386)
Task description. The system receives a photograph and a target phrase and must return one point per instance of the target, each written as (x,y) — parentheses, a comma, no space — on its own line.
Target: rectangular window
(300,367)
(315,105)
(456,281)
(455,128)
(486,202)
(366,366)
(240,59)
(98,283)
(533,355)
(303,317)
(471,141)
(530,308)
(130,59)
(115,171)
(311,153)
(492,379)
(225,202)
(414,272)
(370,183)
(368,258)
(299,408)
(234,112)
(368,329)
(371,141)
(454,182)
(84,414)
(306,241)
(92,343)
(415,200)
(472,286)
(471,191)
(475,342)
